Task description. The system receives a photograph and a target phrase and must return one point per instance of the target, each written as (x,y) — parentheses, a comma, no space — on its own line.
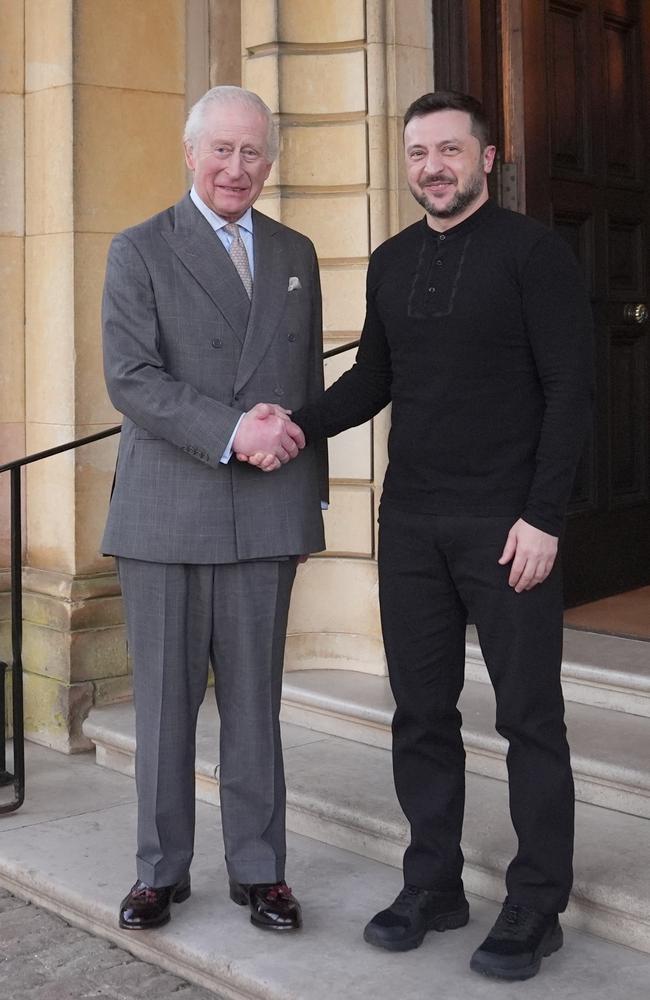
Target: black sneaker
(517,943)
(415,911)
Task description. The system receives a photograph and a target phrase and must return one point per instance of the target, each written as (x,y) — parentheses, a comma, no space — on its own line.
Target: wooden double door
(568,83)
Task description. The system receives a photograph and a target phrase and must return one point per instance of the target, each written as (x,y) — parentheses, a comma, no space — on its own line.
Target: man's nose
(434,163)
(234,164)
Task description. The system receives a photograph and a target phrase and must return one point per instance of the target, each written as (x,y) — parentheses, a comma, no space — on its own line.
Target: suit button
(236,399)
(291,337)
(216,343)
(278,391)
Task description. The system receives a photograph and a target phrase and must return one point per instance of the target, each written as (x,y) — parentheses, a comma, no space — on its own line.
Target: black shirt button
(432,289)
(291,337)
(216,343)
(439,262)
(442,236)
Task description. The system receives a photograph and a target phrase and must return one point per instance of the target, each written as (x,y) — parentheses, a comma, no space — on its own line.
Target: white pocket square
(294,284)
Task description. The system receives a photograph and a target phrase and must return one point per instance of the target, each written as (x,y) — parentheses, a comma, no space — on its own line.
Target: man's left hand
(532,552)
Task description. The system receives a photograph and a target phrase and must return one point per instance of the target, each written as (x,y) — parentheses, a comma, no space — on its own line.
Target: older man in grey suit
(208,308)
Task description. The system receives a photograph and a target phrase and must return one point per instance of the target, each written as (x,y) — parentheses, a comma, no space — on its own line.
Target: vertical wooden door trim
(513,110)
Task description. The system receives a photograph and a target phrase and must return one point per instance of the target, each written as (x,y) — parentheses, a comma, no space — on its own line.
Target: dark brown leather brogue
(145,907)
(272,904)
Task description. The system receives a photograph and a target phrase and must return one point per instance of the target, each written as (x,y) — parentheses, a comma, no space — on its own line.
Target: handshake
(267,437)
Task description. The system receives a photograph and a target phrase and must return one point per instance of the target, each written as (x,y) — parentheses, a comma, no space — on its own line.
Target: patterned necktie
(239,257)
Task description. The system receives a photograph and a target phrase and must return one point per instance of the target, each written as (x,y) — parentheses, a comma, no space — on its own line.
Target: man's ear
(189,156)
(488,158)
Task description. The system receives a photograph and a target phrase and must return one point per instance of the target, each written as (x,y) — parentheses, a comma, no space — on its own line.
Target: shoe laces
(516,921)
(406,898)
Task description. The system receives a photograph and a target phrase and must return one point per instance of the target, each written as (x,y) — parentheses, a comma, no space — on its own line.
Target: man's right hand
(267,430)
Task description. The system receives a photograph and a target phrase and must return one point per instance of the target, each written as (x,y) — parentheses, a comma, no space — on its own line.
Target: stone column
(12,282)
(339,75)
(104,109)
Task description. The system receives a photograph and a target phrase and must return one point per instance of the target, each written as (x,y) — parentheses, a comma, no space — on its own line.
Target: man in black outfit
(479,332)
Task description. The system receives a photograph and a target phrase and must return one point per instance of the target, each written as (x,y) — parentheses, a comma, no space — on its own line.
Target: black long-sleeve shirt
(481,337)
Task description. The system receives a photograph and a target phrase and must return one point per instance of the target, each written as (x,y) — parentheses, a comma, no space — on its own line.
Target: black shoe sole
(489,965)
(178,897)
(441,922)
(275,927)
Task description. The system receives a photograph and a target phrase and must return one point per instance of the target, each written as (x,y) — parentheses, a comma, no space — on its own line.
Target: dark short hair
(452,100)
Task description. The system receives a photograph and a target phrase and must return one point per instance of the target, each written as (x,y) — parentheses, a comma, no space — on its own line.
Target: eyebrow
(443,142)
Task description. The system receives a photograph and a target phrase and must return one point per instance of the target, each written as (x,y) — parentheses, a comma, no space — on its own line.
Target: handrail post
(16,646)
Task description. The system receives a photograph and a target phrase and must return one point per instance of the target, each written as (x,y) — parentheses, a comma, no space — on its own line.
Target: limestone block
(12,62)
(49,329)
(92,405)
(334,651)
(141,46)
(324,155)
(95,466)
(48,161)
(12,334)
(351,454)
(376,79)
(409,210)
(113,689)
(337,224)
(12,445)
(315,21)
(323,84)
(50,500)
(12,166)
(96,654)
(55,711)
(48,43)
(259,24)
(89,654)
(270,203)
(260,74)
(128,156)
(349,521)
(344,297)
(66,615)
(336,595)
(413,75)
(413,24)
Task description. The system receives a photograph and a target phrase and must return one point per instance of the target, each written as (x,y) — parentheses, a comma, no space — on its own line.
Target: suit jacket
(185,354)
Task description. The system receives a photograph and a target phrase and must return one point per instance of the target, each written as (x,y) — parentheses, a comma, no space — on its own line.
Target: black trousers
(435,574)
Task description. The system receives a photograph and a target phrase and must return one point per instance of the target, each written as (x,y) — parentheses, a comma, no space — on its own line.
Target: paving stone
(43,958)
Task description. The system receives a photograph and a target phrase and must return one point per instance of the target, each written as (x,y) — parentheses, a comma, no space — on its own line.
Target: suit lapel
(269,296)
(205,257)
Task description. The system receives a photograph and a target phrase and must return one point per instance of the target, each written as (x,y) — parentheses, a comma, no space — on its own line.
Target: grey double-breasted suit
(202,546)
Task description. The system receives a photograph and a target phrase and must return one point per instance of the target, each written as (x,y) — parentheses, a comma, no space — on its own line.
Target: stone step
(610,752)
(70,849)
(605,671)
(340,792)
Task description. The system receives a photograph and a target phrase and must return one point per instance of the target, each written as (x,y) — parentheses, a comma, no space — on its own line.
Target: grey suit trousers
(179,617)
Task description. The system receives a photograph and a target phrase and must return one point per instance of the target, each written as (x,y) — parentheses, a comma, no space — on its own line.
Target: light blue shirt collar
(217,223)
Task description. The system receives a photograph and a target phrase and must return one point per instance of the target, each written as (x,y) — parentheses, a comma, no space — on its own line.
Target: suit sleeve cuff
(227,455)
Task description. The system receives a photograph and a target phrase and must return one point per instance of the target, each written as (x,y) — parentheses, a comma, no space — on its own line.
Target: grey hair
(230,95)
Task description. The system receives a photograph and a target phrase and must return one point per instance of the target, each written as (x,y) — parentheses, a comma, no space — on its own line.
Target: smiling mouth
(440,185)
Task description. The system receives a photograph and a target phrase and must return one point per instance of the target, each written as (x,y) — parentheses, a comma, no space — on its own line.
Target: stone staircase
(336,730)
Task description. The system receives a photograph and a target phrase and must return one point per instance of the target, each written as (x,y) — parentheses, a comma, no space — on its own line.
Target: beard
(460,201)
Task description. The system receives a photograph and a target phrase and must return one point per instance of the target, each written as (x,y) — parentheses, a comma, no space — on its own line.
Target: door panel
(586,86)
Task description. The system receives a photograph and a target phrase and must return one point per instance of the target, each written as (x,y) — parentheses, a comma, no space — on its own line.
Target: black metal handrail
(13,468)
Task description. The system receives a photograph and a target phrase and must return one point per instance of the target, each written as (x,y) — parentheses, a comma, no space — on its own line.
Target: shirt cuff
(227,455)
